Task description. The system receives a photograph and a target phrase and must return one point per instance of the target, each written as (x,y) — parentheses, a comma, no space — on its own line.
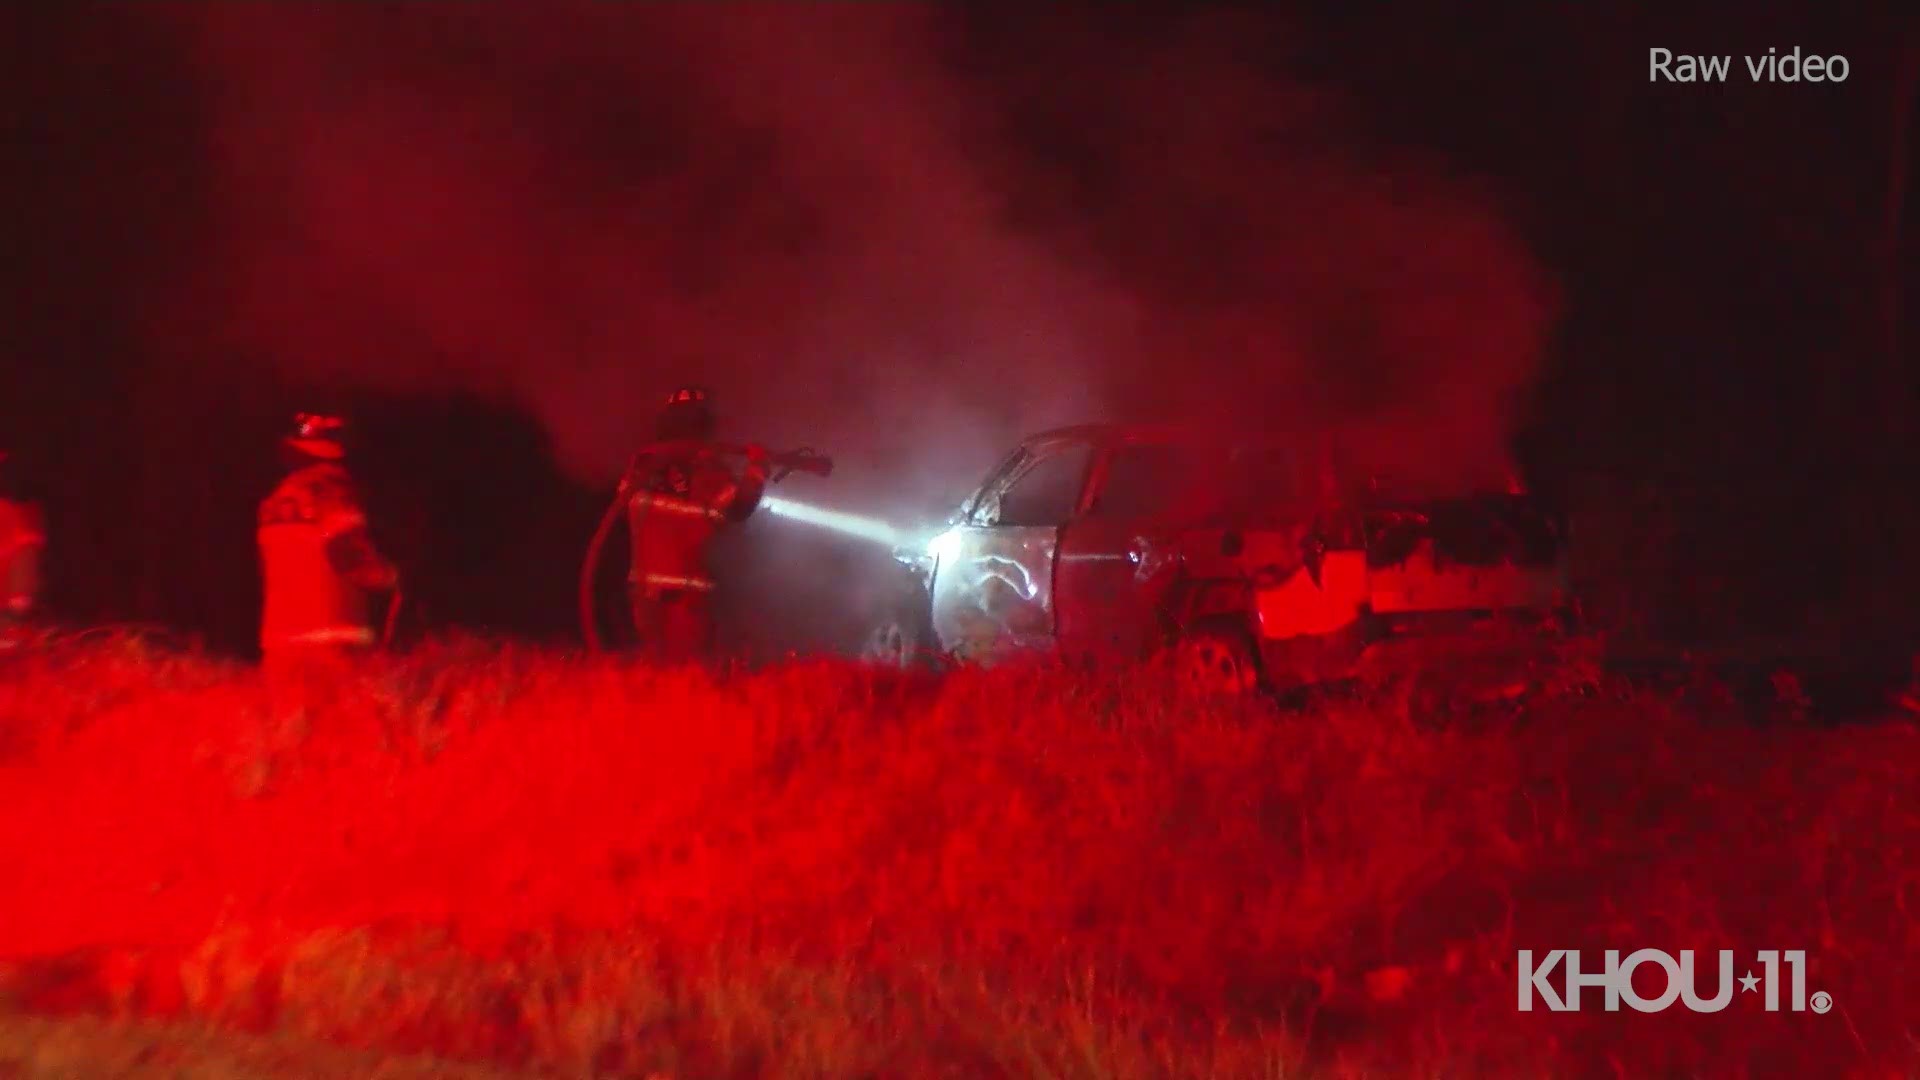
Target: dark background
(1717,396)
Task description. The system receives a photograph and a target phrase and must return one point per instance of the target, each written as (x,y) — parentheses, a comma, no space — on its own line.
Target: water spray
(864,528)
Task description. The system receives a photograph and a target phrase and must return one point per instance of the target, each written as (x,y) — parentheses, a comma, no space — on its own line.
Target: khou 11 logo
(1617,981)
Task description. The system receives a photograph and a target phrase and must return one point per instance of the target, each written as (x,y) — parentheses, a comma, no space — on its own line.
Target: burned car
(1257,561)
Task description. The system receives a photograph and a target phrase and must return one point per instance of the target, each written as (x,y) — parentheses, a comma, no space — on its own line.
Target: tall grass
(536,859)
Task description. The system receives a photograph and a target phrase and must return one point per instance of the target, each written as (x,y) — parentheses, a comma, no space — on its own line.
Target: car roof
(1102,434)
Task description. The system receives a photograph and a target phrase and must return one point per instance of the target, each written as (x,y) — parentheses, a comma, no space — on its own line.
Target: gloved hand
(756,471)
(354,557)
(389,581)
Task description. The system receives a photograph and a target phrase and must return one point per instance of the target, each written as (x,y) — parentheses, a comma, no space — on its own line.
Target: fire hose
(784,464)
(394,604)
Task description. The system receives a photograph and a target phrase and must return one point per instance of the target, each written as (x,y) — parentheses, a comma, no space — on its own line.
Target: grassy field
(517,862)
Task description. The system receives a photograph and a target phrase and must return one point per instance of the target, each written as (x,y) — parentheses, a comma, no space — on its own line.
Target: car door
(993,581)
(1117,558)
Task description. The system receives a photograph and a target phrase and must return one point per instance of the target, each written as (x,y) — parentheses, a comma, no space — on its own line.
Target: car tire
(889,645)
(901,640)
(1216,660)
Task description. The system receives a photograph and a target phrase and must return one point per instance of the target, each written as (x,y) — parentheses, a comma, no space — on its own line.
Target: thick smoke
(903,234)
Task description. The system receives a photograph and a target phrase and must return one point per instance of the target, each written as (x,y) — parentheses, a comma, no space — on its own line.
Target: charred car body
(1257,560)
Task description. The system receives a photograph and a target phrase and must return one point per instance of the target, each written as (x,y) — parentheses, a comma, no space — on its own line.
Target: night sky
(909,235)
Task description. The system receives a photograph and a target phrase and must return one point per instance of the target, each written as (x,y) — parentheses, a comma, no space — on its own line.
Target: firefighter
(319,565)
(21,542)
(677,502)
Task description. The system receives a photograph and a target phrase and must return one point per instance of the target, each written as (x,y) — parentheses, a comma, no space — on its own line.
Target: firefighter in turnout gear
(21,542)
(319,564)
(678,500)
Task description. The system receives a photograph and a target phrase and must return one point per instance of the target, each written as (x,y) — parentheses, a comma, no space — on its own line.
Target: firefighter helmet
(319,436)
(688,414)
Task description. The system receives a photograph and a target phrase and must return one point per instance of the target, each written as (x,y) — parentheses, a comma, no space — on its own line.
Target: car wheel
(902,637)
(1216,661)
(890,645)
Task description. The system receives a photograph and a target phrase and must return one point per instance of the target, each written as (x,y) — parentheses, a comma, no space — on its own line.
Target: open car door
(993,576)
(1119,555)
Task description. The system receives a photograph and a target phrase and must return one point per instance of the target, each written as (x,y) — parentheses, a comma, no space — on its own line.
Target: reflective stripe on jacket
(308,601)
(673,518)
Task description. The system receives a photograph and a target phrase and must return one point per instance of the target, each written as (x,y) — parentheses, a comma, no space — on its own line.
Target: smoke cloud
(906,235)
